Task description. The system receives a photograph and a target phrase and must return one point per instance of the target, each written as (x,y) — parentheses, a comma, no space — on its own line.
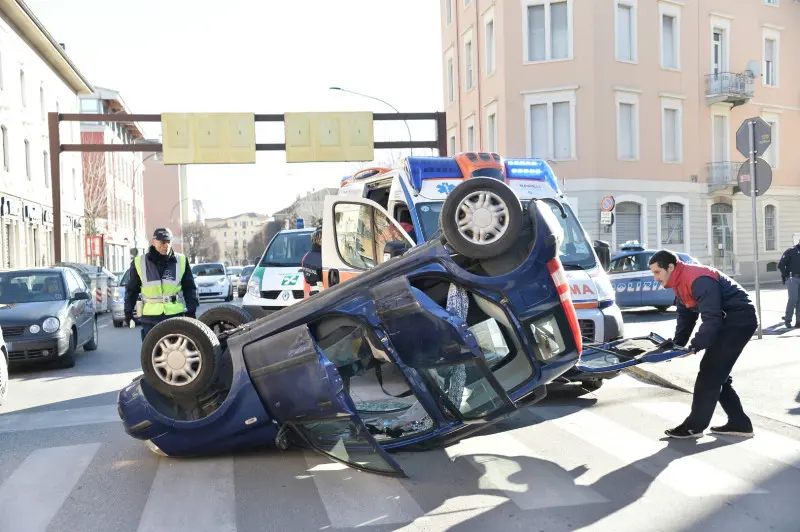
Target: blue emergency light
(300,223)
(534,169)
(422,168)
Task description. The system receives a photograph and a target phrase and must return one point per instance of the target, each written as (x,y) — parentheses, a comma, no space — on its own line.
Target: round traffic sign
(763,177)
(607,203)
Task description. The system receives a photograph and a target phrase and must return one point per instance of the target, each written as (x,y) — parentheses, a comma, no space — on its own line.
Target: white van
(277,281)
(414,191)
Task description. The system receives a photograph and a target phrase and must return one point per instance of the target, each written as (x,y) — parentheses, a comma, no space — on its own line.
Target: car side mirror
(393,249)
(81,296)
(603,250)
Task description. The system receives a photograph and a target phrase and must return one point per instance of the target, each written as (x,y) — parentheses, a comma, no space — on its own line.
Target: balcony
(722,174)
(729,87)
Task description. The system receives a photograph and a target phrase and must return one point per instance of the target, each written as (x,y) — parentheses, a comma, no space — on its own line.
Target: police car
(632,281)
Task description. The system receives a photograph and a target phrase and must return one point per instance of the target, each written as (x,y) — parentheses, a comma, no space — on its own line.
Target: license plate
(205,290)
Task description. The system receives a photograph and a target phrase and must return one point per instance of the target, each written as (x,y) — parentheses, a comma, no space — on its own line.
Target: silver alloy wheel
(482,217)
(177,360)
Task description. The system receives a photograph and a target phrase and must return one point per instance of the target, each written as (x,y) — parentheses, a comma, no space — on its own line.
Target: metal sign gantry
(220,138)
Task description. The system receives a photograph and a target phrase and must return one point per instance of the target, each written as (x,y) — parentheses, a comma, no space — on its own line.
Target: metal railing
(722,173)
(730,83)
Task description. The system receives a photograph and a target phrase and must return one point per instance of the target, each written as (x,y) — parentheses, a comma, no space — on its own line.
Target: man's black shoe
(731,430)
(683,432)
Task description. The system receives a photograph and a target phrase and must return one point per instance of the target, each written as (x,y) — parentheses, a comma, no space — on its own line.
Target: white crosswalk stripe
(575,460)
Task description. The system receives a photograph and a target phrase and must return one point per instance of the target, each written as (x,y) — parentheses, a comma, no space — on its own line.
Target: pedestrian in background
(729,321)
(789,266)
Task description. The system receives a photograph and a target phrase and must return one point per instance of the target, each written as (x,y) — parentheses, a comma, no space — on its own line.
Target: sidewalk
(767,375)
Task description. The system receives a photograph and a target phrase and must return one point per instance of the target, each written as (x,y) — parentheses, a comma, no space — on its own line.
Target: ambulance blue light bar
(534,169)
(422,168)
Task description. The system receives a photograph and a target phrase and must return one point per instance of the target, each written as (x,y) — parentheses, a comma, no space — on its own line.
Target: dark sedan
(244,277)
(46,315)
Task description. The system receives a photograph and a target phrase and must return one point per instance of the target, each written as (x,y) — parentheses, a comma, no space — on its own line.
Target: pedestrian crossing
(600,465)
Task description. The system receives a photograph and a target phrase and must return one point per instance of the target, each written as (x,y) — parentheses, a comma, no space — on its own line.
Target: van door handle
(333,277)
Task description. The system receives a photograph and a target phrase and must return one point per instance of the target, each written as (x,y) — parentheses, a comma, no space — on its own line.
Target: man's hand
(692,351)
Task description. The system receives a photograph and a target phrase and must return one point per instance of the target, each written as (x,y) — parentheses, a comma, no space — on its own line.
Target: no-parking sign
(607,203)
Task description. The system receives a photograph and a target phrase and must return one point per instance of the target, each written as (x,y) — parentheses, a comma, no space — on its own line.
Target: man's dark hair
(664,258)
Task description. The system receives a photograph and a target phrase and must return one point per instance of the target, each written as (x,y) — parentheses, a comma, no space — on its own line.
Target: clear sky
(261,56)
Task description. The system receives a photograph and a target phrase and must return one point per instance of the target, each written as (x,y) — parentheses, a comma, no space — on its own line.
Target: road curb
(655,379)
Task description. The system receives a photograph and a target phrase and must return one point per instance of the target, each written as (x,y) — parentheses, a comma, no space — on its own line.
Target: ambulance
(412,194)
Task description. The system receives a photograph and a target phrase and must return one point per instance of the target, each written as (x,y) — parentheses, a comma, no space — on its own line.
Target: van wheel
(481,218)
(224,318)
(180,357)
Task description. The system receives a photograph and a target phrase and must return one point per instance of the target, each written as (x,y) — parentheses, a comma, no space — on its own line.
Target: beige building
(234,233)
(640,100)
(167,200)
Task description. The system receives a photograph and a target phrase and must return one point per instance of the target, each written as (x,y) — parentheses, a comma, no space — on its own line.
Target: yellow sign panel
(208,138)
(329,137)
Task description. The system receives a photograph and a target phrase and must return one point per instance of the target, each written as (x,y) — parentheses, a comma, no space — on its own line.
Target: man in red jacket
(729,321)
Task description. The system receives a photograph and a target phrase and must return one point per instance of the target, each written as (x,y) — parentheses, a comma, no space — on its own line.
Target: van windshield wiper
(570,266)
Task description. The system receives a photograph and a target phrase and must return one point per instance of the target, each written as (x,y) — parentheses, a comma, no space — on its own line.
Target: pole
(754,195)
(55,180)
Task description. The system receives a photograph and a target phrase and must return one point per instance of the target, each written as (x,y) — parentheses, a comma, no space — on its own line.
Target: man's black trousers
(714,382)
(148,322)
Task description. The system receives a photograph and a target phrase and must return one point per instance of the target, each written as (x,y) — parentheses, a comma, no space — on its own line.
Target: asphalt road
(573,462)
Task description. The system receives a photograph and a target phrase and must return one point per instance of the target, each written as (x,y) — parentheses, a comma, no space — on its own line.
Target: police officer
(165,281)
(311,264)
(729,321)
(789,266)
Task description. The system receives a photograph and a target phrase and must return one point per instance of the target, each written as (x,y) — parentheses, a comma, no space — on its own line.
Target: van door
(619,354)
(355,232)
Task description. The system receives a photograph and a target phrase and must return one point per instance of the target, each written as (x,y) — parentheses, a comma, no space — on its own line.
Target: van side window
(385,232)
(629,263)
(354,235)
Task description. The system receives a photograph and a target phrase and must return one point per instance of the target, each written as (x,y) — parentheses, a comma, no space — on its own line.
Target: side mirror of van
(394,249)
(603,250)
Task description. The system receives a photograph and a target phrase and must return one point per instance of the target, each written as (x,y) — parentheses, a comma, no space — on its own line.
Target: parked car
(633,282)
(241,289)
(46,314)
(118,300)
(212,281)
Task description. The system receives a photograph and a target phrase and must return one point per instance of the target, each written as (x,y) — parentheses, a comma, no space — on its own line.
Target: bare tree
(199,243)
(259,242)
(388,159)
(95,191)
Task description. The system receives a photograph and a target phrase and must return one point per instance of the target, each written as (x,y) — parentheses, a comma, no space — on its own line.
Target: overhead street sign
(329,137)
(208,138)
(763,178)
(763,137)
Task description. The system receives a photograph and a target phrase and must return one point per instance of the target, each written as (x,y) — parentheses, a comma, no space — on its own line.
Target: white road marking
(191,495)
(353,498)
(59,418)
(33,494)
(543,485)
(688,475)
(764,443)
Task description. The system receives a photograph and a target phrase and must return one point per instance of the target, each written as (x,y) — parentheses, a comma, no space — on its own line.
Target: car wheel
(3,377)
(224,318)
(481,218)
(180,357)
(67,360)
(662,309)
(91,345)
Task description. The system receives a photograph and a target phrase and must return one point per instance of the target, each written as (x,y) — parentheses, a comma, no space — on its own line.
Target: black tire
(225,317)
(117,324)
(592,385)
(662,308)
(205,342)
(67,360)
(91,345)
(451,214)
(3,376)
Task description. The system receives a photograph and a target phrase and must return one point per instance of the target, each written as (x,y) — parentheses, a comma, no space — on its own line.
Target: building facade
(36,78)
(113,183)
(167,202)
(233,233)
(306,207)
(640,101)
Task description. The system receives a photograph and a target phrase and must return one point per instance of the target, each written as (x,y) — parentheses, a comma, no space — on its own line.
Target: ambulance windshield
(575,252)
(428,214)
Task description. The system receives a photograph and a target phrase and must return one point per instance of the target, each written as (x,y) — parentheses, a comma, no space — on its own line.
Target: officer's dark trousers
(714,382)
(148,322)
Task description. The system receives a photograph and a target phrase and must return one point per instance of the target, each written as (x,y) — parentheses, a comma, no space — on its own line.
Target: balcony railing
(723,173)
(730,86)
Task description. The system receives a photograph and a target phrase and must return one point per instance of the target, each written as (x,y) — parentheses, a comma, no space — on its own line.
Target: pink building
(163,203)
(640,100)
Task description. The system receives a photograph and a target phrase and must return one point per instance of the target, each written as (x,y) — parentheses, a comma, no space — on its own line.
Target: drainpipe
(477,70)
(457,67)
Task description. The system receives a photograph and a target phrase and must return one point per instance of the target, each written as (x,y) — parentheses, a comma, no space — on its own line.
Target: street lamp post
(410,139)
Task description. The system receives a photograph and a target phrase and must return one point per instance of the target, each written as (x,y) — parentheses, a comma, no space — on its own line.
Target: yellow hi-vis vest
(161,295)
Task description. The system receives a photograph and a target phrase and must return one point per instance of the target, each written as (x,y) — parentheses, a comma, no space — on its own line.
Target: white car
(212,281)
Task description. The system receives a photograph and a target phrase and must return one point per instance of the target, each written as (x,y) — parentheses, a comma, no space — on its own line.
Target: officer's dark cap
(163,234)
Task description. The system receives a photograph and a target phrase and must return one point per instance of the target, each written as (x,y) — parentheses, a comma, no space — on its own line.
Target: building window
(770,240)
(470,138)
(671,223)
(74,185)
(672,131)
(548,31)
(41,103)
(770,76)
(451,89)
(467,3)
(771,2)
(451,144)
(627,127)
(46,161)
(490,57)
(4,131)
(491,132)
(551,125)
(27,158)
(448,11)
(468,65)
(626,30)
(670,35)
(22,87)
(771,155)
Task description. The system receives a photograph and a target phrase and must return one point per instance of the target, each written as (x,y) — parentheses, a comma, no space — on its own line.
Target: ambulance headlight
(252,287)
(605,292)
